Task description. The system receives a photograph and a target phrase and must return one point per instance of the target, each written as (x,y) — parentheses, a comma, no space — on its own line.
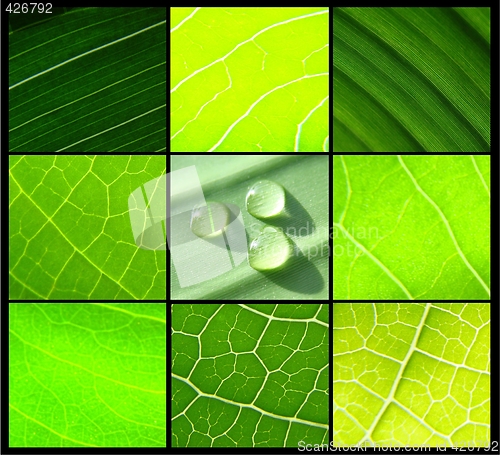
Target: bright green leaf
(87,375)
(412,79)
(91,80)
(411,374)
(249,375)
(70,231)
(411,227)
(249,79)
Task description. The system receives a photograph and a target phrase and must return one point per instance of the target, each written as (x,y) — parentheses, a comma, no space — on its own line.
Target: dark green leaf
(92,79)
(412,79)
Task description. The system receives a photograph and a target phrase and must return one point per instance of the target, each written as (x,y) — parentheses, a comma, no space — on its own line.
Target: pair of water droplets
(265,199)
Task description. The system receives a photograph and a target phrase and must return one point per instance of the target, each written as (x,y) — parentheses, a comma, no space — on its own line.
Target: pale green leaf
(411,374)
(227,179)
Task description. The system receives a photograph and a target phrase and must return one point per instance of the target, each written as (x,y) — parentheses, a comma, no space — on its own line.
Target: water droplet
(208,221)
(265,199)
(270,250)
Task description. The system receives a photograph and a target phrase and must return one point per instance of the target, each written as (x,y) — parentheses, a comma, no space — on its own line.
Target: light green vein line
(299,126)
(26,285)
(423,422)
(397,380)
(82,119)
(184,20)
(65,37)
(255,408)
(112,128)
(86,96)
(446,223)
(51,221)
(374,259)
(121,416)
(86,53)
(274,318)
(349,189)
(454,365)
(112,306)
(481,177)
(93,373)
(221,59)
(257,102)
(324,144)
(51,429)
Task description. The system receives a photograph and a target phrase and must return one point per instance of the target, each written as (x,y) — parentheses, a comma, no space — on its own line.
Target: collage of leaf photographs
(345,157)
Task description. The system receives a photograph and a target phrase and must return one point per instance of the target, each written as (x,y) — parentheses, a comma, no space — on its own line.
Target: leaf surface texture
(70,232)
(412,79)
(89,80)
(411,374)
(251,375)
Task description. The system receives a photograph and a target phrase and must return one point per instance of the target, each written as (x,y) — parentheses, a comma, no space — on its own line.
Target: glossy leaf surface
(227,179)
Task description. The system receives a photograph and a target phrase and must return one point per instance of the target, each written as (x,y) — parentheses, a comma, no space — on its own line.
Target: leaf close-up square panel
(249,79)
(412,375)
(87,375)
(251,375)
(70,229)
(411,227)
(411,79)
(221,267)
(89,80)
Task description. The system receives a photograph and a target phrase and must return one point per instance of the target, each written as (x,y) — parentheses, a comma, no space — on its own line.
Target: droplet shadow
(298,274)
(295,220)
